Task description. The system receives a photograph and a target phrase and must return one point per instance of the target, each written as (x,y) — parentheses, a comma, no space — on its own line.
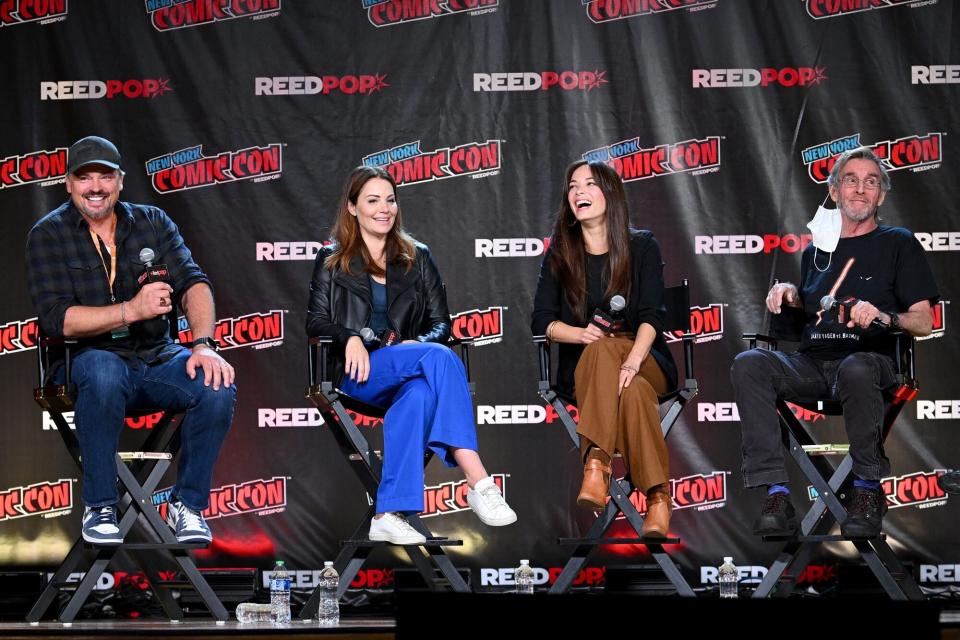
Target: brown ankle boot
(596,480)
(657,522)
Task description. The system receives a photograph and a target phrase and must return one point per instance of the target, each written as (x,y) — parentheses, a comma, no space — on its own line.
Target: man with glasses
(882,280)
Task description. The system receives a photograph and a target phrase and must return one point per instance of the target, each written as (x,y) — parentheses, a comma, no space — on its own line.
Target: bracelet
(123,313)
(626,367)
(549,331)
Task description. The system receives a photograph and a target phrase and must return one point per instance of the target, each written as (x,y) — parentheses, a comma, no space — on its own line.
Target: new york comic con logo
(408,164)
(699,491)
(918,489)
(706,323)
(451,497)
(635,162)
(18,335)
(47,499)
(485,326)
(607,10)
(190,169)
(177,14)
(45,168)
(22,11)
(819,9)
(915,152)
(262,496)
(384,13)
(257,330)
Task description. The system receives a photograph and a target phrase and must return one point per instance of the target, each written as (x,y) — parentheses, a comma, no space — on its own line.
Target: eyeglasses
(870,183)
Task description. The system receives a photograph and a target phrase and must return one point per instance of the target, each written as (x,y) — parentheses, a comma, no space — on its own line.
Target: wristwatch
(210,342)
(894,320)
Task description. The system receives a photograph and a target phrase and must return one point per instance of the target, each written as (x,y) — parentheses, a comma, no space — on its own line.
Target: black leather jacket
(341,304)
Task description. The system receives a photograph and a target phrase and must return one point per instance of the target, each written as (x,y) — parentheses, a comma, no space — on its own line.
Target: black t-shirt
(886,267)
(596,287)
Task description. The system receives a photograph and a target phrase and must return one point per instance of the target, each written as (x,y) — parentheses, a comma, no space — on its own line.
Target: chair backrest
(677,301)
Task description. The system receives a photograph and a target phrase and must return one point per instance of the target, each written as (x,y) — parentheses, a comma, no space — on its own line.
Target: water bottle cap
(728,559)
(279,561)
(524,562)
(328,563)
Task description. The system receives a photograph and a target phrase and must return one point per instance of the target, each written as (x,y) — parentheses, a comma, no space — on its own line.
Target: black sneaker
(865,514)
(777,518)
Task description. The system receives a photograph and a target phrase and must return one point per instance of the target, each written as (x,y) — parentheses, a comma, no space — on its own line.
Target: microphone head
(828,302)
(617,303)
(368,335)
(147,255)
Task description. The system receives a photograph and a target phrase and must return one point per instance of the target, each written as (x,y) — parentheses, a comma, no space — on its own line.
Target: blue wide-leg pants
(425,389)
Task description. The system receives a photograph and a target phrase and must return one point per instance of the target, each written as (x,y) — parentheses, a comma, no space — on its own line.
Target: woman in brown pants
(615,375)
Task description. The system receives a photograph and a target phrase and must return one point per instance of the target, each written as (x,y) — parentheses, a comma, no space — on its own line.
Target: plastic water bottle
(523,576)
(328,614)
(253,612)
(280,593)
(728,578)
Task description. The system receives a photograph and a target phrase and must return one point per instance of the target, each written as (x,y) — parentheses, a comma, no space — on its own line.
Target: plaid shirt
(64,269)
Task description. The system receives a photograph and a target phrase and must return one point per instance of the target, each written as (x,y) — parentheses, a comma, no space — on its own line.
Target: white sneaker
(487,502)
(394,528)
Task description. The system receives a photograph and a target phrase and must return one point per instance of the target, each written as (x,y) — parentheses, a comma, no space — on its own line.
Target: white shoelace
(191,519)
(401,523)
(493,497)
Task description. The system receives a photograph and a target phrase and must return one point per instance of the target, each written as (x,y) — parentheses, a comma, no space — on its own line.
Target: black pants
(760,376)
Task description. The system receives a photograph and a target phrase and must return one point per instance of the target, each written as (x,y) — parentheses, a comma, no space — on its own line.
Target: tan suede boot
(596,480)
(659,506)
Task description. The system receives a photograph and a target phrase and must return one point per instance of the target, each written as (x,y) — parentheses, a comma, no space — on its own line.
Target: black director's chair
(831,482)
(677,302)
(139,472)
(367,464)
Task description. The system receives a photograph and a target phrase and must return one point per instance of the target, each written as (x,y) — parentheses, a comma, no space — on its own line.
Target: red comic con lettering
(18,335)
(918,487)
(43,165)
(148,421)
(250,7)
(487,323)
(10,501)
(915,150)
(200,173)
(48,496)
(806,415)
(437,499)
(427,166)
(29,10)
(396,11)
(257,495)
(700,489)
(8,171)
(256,161)
(473,157)
(938,312)
(189,13)
(643,164)
(706,320)
(221,502)
(694,154)
(829,8)
(257,328)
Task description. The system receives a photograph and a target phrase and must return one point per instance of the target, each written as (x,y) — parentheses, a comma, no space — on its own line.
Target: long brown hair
(567,253)
(346,230)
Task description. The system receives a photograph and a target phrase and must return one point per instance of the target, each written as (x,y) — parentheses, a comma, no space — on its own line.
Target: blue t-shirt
(379,321)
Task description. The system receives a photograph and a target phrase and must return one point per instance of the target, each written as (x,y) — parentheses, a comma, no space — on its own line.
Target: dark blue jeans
(760,376)
(108,387)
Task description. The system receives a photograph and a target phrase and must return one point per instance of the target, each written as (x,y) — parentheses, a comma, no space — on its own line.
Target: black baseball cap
(92,150)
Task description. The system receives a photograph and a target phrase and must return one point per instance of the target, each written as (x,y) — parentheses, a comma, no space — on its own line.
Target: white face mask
(825,227)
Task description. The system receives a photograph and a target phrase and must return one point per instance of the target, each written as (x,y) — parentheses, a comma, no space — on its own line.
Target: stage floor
(358,629)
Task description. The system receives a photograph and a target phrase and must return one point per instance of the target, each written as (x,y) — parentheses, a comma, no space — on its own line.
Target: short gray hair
(860,153)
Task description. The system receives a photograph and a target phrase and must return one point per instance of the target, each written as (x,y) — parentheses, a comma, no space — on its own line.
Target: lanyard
(112,274)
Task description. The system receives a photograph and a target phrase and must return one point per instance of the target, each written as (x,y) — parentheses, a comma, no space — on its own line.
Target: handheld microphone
(842,307)
(151,272)
(385,338)
(609,322)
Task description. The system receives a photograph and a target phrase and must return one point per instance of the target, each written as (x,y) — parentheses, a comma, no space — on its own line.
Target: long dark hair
(567,246)
(346,230)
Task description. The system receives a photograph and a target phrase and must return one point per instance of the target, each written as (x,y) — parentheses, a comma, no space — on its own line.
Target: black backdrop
(241,117)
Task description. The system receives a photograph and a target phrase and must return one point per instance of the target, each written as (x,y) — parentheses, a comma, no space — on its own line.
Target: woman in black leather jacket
(377,282)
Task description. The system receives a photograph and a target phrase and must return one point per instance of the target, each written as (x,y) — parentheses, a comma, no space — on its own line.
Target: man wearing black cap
(83,263)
